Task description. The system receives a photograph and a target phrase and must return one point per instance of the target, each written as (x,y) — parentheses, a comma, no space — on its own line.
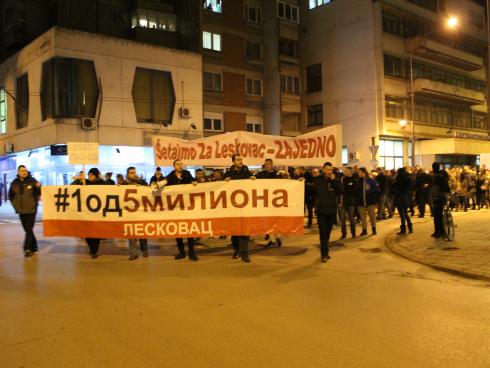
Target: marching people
(422,191)
(179,176)
(217,175)
(108,179)
(384,187)
(201,176)
(440,192)
(93,179)
(327,188)
(132,178)
(238,171)
(24,195)
(347,203)
(366,200)
(401,192)
(269,172)
(158,176)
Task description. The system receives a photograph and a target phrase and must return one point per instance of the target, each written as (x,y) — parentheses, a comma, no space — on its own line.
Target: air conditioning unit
(185,112)
(9,147)
(354,156)
(88,124)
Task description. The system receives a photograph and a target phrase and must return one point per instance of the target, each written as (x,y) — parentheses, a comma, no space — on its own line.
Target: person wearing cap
(158,176)
(93,179)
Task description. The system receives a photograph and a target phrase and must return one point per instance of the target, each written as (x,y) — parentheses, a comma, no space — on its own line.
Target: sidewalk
(468,255)
(8,215)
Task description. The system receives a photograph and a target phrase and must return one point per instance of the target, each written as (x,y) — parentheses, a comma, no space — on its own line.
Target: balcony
(439,52)
(426,87)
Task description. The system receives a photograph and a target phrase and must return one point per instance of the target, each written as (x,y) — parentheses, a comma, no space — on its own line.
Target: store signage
(83,153)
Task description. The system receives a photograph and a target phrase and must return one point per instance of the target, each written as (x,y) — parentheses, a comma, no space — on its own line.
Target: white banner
(311,149)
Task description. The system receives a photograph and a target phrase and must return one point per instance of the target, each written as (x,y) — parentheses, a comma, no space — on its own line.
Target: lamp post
(451,23)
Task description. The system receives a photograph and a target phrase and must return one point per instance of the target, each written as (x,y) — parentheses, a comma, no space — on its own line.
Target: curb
(391,245)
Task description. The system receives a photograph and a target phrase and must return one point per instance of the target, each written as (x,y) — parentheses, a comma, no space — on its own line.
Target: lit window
(155,20)
(289,84)
(390,154)
(287,11)
(3,111)
(211,41)
(212,81)
(254,87)
(315,3)
(345,155)
(252,13)
(212,5)
(213,124)
(254,127)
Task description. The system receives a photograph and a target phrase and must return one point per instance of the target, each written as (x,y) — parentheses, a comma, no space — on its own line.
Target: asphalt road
(365,308)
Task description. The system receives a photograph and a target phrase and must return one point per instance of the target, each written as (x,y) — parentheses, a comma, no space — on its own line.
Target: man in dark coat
(440,193)
(24,195)
(422,191)
(238,171)
(347,203)
(327,188)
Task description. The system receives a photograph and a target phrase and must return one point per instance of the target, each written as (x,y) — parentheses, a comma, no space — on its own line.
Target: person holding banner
(93,179)
(24,195)
(132,178)
(177,177)
(238,171)
(327,189)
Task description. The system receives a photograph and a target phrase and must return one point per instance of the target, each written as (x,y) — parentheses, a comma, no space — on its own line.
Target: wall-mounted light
(118,150)
(403,123)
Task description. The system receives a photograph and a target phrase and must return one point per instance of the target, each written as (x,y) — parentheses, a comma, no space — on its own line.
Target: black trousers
(423,199)
(325,224)
(30,242)
(310,205)
(190,245)
(438,210)
(93,245)
(404,217)
(240,243)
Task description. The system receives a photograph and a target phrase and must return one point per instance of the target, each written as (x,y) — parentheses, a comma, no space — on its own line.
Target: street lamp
(451,23)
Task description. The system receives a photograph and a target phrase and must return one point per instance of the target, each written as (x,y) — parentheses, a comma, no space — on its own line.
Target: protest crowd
(347,197)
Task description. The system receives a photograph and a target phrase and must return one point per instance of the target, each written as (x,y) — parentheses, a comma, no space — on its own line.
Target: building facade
(356,61)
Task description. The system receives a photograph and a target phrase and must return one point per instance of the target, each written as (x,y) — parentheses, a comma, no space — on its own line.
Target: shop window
(390,154)
(22,101)
(153,96)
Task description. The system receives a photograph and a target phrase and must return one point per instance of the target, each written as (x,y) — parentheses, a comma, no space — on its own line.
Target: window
(390,154)
(315,115)
(22,101)
(69,88)
(288,48)
(215,125)
(155,20)
(254,87)
(428,4)
(395,108)
(314,78)
(315,3)
(253,50)
(393,66)
(153,96)
(254,127)
(345,155)
(212,82)
(289,84)
(3,111)
(287,11)
(211,41)
(475,19)
(252,13)
(212,5)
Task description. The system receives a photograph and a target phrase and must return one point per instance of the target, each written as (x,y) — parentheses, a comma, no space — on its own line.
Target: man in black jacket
(440,193)
(238,171)
(327,189)
(180,176)
(423,188)
(347,203)
(24,195)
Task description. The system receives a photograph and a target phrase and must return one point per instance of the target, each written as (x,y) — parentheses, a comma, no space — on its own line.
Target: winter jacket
(274,174)
(242,173)
(367,192)
(24,195)
(185,178)
(326,192)
(349,185)
(401,191)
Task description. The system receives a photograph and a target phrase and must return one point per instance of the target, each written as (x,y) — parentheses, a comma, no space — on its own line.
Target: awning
(452,146)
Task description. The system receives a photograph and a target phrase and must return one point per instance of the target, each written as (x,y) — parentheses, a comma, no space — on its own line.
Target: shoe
(245,258)
(374,231)
(145,254)
(364,232)
(410,229)
(343,236)
(279,243)
(94,256)
(324,259)
(181,255)
(133,257)
(27,253)
(235,255)
(193,257)
(353,236)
